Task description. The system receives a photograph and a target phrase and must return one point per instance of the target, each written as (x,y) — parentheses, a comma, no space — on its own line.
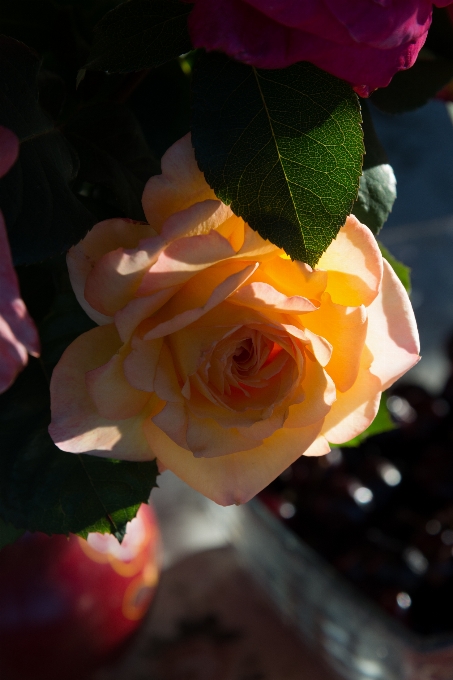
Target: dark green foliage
(282,147)
(42,214)
(140,34)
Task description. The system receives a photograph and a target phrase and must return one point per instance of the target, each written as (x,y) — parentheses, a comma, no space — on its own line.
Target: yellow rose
(215,353)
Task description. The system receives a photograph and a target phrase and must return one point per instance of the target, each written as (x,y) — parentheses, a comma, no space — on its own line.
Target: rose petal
(263,296)
(289,276)
(180,185)
(184,258)
(111,393)
(392,331)
(18,334)
(103,238)
(76,425)
(173,421)
(220,293)
(197,220)
(319,395)
(137,310)
(354,410)
(237,477)
(141,364)
(346,329)
(354,263)
(115,278)
(9,149)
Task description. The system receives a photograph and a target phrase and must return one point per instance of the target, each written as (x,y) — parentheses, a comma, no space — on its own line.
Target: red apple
(68,605)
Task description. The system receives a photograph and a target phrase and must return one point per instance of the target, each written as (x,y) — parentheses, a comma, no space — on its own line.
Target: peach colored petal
(184,258)
(141,364)
(116,276)
(256,248)
(220,293)
(173,421)
(319,394)
(166,384)
(291,277)
(354,410)
(197,220)
(392,331)
(345,328)
(100,240)
(180,185)
(237,477)
(319,447)
(76,425)
(111,393)
(206,438)
(263,296)
(321,348)
(137,310)
(354,264)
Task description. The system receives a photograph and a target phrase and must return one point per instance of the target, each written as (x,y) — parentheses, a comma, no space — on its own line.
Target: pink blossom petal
(392,331)
(346,330)
(76,424)
(9,149)
(180,185)
(354,265)
(237,477)
(103,238)
(18,334)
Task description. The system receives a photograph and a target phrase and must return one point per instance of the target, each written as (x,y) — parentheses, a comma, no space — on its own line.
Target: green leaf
(382,423)
(8,533)
(113,155)
(282,147)
(140,34)
(377,190)
(412,88)
(42,214)
(45,489)
(401,270)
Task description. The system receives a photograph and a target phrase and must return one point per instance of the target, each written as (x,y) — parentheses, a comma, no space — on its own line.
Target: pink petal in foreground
(9,149)
(76,424)
(392,331)
(18,334)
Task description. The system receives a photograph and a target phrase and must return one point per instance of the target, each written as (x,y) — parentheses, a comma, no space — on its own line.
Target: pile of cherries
(382,513)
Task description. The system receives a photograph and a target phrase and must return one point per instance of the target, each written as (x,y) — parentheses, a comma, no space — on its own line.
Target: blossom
(18,334)
(364,42)
(215,352)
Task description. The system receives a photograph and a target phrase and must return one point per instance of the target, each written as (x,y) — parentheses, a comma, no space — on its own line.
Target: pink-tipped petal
(234,478)
(392,331)
(76,424)
(103,238)
(180,185)
(354,264)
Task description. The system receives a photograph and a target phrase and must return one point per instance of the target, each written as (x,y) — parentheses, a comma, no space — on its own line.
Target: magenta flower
(18,335)
(362,41)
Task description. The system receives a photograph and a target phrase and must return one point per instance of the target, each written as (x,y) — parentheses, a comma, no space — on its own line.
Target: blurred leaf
(45,489)
(412,88)
(113,154)
(8,533)
(377,190)
(42,214)
(401,270)
(282,147)
(382,423)
(140,34)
